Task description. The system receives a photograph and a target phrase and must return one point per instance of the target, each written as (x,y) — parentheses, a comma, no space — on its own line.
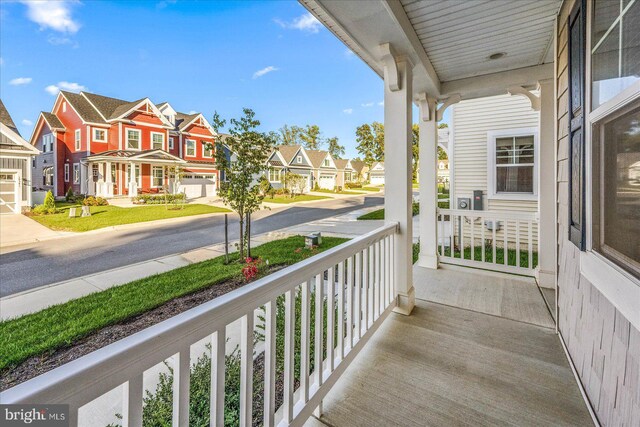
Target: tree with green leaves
(250,150)
(370,139)
(311,137)
(335,148)
(290,135)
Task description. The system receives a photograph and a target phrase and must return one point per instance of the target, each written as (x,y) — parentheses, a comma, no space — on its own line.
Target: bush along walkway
(35,343)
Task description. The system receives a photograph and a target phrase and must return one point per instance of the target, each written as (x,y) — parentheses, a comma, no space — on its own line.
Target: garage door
(327,182)
(9,195)
(377,179)
(195,186)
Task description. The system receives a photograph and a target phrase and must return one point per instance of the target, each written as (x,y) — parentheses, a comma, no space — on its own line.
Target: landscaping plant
(250,150)
(69,196)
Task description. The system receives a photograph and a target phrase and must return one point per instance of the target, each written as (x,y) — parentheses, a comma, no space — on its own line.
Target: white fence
(501,241)
(351,285)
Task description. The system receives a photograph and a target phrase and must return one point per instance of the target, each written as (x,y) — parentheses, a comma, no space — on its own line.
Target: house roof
(5,118)
(83,107)
(316,157)
(52,120)
(183,119)
(341,163)
(137,155)
(288,151)
(357,165)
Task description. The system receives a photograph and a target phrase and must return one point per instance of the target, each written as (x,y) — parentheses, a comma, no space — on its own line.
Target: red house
(110,147)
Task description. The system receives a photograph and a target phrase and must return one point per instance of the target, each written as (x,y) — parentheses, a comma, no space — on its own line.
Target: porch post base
(428,261)
(545,278)
(405,303)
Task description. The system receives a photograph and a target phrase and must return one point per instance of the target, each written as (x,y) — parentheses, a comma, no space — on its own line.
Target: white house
(16,155)
(376,173)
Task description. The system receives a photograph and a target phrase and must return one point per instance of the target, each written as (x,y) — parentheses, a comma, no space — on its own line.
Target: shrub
(42,210)
(253,268)
(353,185)
(265,185)
(69,196)
(49,201)
(95,201)
(316,186)
(272,192)
(159,199)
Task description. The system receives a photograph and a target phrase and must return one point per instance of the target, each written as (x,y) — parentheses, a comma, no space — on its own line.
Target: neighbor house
(289,158)
(443,171)
(93,144)
(377,173)
(16,156)
(325,172)
(360,170)
(345,172)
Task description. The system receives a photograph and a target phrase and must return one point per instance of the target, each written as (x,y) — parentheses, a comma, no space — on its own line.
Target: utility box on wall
(464,203)
(478,200)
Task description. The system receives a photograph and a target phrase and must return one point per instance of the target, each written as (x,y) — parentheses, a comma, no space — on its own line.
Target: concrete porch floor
(482,364)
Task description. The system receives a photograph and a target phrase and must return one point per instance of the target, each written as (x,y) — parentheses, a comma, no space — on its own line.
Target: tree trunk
(241,247)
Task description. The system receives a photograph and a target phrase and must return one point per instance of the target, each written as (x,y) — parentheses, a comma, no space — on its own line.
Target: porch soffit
(450,41)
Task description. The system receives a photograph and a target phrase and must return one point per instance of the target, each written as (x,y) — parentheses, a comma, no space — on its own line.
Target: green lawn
(106,216)
(488,255)
(372,189)
(354,191)
(299,198)
(61,325)
(379,214)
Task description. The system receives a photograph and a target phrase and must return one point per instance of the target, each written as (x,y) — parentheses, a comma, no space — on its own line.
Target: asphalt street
(43,263)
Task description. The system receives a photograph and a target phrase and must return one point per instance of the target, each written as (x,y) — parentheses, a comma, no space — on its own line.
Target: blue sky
(272,57)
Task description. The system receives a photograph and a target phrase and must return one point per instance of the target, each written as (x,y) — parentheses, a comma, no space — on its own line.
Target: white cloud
(348,110)
(19,81)
(306,22)
(381,103)
(59,41)
(27,122)
(264,71)
(70,86)
(192,112)
(52,14)
(367,104)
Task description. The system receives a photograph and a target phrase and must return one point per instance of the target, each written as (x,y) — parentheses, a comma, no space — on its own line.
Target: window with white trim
(47,176)
(78,141)
(274,175)
(138,177)
(157,176)
(66,172)
(326,163)
(76,173)
(207,149)
(47,143)
(190,148)
(171,142)
(299,159)
(64,106)
(133,139)
(99,135)
(157,141)
(615,63)
(512,164)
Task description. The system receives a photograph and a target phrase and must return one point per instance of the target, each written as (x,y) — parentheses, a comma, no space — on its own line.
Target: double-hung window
(157,141)
(274,175)
(133,139)
(76,173)
(78,141)
(99,135)
(157,176)
(190,148)
(512,164)
(47,143)
(207,149)
(326,163)
(66,172)
(614,123)
(171,139)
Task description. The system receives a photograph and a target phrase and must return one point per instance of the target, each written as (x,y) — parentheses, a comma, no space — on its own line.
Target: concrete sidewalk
(34,300)
(20,229)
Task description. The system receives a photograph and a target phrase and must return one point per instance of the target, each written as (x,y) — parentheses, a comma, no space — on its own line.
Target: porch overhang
(130,156)
(450,43)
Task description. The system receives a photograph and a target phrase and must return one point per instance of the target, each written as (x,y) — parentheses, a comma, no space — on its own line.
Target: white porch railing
(500,241)
(351,285)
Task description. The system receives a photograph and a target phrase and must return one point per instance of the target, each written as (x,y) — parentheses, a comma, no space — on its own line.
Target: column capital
(391,61)
(427,106)
(519,90)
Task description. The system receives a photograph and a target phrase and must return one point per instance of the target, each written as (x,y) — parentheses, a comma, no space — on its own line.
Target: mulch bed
(38,365)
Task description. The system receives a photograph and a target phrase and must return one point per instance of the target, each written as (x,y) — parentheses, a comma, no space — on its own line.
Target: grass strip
(61,325)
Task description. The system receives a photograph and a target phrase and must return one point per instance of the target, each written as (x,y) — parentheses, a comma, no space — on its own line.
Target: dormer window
(171,118)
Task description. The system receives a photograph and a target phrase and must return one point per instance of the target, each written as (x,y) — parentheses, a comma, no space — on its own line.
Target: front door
(9,193)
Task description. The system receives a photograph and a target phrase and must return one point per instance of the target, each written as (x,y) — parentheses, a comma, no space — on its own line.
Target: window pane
(504,148)
(621,186)
(523,149)
(631,44)
(604,13)
(605,70)
(514,179)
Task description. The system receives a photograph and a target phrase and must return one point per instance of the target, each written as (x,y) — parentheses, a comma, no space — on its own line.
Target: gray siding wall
(22,164)
(604,346)
(43,160)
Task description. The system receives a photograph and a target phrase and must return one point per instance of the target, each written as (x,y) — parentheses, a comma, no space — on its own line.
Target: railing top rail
(82,380)
(494,215)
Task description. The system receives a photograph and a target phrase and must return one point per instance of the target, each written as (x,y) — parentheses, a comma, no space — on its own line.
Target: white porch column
(133,182)
(428,182)
(546,270)
(397,154)
(108,180)
(92,186)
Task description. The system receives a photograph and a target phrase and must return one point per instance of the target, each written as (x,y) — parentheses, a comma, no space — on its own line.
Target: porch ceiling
(450,41)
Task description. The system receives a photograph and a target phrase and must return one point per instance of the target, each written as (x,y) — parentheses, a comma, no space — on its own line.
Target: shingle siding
(604,346)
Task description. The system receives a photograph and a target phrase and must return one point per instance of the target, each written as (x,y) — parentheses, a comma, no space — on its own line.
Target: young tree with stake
(249,152)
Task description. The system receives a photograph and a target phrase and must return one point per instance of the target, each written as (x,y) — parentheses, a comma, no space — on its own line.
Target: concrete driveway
(19,229)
